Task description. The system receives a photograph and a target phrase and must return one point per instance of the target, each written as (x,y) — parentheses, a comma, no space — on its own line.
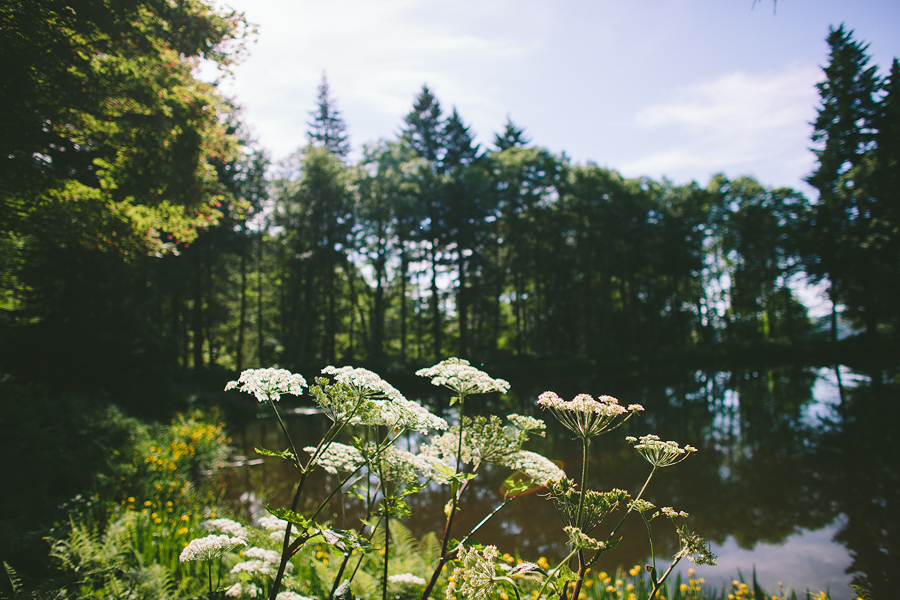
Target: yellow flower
(504,596)
(634,570)
(131,499)
(588,583)
(542,562)
(148,503)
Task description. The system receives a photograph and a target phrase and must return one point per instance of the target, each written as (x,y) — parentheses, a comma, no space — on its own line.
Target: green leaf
(290,516)
(287,454)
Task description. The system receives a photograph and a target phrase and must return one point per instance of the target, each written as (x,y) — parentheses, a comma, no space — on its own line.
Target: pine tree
(424,131)
(327,128)
(513,136)
(844,134)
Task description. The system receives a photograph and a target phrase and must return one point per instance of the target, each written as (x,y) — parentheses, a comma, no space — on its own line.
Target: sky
(681,89)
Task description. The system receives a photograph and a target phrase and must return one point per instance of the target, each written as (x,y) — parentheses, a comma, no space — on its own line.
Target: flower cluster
(398,413)
(268,384)
(484,440)
(475,578)
(659,453)
(232,528)
(460,377)
(586,417)
(595,506)
(539,469)
(527,424)
(261,562)
(338,457)
(239,590)
(402,466)
(209,547)
(291,596)
(363,382)
(406,579)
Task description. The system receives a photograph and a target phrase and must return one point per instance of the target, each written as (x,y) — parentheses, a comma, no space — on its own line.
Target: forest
(144,233)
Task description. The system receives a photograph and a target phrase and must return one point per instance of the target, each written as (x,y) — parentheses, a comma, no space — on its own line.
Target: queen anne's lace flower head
(268,384)
(232,528)
(659,453)
(539,469)
(291,596)
(398,413)
(460,377)
(406,579)
(209,547)
(403,466)
(239,590)
(474,580)
(338,457)
(586,417)
(363,382)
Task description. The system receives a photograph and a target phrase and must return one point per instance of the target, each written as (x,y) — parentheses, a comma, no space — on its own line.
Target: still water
(797,477)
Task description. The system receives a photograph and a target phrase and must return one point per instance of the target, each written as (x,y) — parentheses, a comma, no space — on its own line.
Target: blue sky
(674,88)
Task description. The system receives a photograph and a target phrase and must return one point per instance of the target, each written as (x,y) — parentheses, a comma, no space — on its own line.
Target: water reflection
(784,452)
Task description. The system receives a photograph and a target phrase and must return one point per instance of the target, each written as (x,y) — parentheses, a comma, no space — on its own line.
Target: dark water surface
(798,473)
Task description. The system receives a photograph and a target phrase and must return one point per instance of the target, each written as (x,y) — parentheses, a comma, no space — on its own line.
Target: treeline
(130,251)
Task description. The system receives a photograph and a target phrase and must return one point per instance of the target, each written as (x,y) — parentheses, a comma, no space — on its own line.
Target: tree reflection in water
(775,459)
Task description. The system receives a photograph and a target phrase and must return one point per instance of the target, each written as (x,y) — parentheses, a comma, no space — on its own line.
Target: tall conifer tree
(843,134)
(327,128)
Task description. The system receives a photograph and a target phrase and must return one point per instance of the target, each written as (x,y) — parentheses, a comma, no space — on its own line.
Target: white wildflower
(460,377)
(272,523)
(538,468)
(232,528)
(209,547)
(271,556)
(262,567)
(338,457)
(406,579)
(527,424)
(239,590)
(268,384)
(586,417)
(363,382)
(474,580)
(399,413)
(671,513)
(291,596)
(403,466)
(659,453)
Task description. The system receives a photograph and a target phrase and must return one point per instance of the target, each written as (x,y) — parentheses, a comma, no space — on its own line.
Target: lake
(797,474)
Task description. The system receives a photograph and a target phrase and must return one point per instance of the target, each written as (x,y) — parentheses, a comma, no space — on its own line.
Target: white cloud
(739,123)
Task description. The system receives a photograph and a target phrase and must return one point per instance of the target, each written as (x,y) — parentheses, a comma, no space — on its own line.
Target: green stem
(454,502)
(209,574)
(586,442)
(499,507)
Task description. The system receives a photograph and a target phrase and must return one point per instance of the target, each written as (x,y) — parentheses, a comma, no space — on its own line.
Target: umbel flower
(457,375)
(268,384)
(363,382)
(475,578)
(659,453)
(209,547)
(586,417)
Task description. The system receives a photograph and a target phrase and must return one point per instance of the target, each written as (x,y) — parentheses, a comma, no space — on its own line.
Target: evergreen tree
(424,130)
(844,134)
(885,187)
(513,136)
(327,128)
